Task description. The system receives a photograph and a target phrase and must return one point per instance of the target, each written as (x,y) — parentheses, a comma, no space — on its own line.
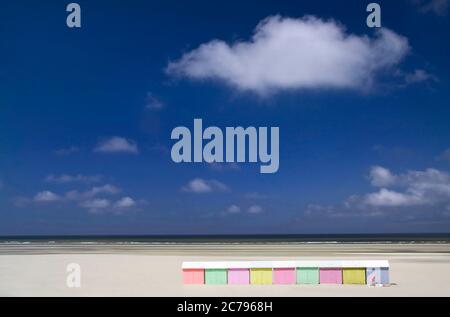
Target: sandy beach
(155,270)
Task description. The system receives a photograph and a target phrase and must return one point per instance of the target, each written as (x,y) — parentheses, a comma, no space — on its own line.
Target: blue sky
(86,116)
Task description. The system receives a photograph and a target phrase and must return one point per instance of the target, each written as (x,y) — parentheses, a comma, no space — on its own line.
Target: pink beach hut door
(238,276)
(330,276)
(194,276)
(284,276)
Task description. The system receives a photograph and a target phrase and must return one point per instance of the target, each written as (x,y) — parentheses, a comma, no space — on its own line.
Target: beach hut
(284,276)
(193,276)
(216,276)
(307,275)
(377,272)
(354,275)
(330,275)
(238,276)
(377,275)
(261,276)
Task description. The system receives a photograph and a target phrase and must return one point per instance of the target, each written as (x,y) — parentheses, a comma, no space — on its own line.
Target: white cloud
(66,178)
(415,192)
(289,53)
(153,103)
(389,198)
(117,145)
(200,186)
(380,176)
(106,189)
(94,199)
(234,209)
(103,205)
(255,209)
(413,188)
(96,205)
(46,196)
(125,202)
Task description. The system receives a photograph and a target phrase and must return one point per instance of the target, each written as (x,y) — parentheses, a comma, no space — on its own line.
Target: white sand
(416,270)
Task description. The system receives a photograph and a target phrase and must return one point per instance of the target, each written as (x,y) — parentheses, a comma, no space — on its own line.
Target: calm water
(298,238)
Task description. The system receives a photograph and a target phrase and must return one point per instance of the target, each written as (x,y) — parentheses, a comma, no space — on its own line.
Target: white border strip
(285,264)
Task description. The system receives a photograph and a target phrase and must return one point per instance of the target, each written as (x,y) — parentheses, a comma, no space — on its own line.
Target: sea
(233,239)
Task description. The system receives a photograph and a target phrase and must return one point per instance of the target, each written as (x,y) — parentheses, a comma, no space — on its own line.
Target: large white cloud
(288,53)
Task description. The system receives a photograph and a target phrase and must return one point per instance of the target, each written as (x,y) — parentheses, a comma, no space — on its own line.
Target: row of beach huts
(374,272)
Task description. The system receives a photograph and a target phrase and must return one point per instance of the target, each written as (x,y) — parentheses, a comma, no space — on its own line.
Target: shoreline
(226,249)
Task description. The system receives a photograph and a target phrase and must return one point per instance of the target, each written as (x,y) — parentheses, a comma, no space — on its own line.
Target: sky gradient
(86,116)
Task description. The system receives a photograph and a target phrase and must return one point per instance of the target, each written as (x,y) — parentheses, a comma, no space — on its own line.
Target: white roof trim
(285,264)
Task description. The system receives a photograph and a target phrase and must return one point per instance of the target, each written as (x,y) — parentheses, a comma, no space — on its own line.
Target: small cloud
(255,209)
(67,151)
(234,209)
(390,198)
(66,178)
(419,75)
(96,205)
(106,189)
(153,103)
(117,145)
(415,77)
(438,7)
(125,202)
(46,196)
(200,186)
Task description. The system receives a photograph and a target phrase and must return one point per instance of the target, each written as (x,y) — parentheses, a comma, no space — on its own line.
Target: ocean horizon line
(237,238)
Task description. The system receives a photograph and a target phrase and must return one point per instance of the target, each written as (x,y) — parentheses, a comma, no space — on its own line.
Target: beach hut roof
(285,264)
